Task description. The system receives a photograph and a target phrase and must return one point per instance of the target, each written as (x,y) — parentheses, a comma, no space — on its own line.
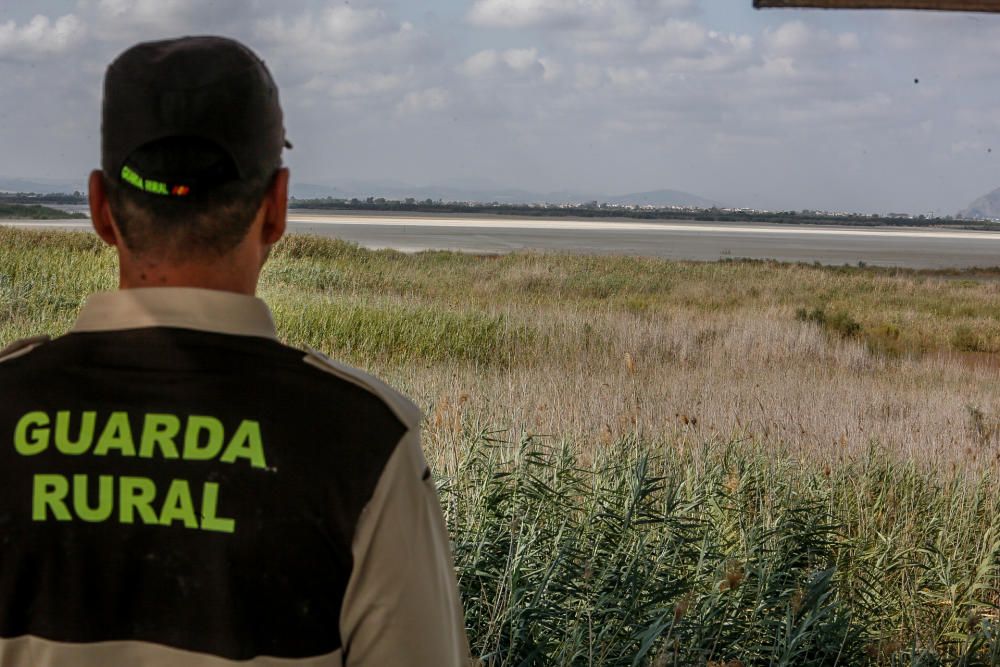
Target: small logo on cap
(131,177)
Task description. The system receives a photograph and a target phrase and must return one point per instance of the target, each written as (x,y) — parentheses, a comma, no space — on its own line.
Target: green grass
(897,311)
(398,333)
(616,539)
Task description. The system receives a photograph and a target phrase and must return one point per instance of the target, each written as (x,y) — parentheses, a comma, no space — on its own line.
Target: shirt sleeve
(402,604)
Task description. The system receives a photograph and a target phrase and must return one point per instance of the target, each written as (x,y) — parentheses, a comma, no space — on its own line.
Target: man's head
(191,189)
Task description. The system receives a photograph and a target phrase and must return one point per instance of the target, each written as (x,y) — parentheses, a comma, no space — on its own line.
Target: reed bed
(665,463)
(723,555)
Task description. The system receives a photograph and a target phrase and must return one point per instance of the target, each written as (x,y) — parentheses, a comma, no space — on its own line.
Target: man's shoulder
(22,347)
(402,407)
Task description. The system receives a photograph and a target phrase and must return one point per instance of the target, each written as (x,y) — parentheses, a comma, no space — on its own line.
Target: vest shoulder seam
(21,347)
(401,406)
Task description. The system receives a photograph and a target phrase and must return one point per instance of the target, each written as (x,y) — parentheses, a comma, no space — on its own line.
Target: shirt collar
(181,307)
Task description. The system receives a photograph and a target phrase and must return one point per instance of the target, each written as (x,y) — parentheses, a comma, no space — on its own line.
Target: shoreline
(611,223)
(918,248)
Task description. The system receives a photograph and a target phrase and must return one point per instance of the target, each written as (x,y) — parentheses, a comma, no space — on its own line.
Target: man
(176,486)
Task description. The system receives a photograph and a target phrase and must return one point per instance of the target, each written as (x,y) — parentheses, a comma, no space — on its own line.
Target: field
(650,462)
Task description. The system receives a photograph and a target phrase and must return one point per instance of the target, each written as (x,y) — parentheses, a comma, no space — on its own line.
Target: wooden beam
(941,5)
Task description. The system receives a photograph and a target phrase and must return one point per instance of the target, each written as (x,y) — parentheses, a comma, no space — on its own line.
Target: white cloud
(481,63)
(820,113)
(421,101)
(364,86)
(675,36)
(611,15)
(980,120)
(346,22)
(628,77)
(528,13)
(520,62)
(774,70)
(790,37)
(796,38)
(135,20)
(40,37)
(701,52)
(330,40)
(848,41)
(335,27)
(966,147)
(587,76)
(552,69)
(951,47)
(343,55)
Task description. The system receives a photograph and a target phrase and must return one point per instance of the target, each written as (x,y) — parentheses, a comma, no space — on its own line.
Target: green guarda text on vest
(137,499)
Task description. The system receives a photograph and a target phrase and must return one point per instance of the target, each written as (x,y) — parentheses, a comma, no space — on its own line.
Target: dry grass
(694,376)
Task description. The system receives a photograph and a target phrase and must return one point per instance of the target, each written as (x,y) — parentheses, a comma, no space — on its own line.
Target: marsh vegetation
(651,462)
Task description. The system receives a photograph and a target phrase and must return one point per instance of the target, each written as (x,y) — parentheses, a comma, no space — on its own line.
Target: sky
(779,109)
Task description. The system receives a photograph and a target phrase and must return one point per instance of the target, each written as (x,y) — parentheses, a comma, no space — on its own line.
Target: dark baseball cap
(212,90)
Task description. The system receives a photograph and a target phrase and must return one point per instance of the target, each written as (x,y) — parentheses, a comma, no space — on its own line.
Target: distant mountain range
(43,186)
(663,198)
(659,198)
(986,207)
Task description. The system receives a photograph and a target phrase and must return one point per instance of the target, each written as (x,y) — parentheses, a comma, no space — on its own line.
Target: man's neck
(217,277)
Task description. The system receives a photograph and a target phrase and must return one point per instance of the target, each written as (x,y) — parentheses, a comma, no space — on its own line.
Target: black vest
(197,490)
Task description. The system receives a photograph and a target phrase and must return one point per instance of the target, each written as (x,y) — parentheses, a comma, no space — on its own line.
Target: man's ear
(100,211)
(275,208)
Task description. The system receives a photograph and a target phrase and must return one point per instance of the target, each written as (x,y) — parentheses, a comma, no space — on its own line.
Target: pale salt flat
(883,246)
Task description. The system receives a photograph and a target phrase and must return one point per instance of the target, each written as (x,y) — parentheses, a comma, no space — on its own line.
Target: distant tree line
(592,209)
(595,210)
(61,199)
(35,212)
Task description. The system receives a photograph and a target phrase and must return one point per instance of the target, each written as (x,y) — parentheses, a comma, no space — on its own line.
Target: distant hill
(661,198)
(42,185)
(986,207)
(361,190)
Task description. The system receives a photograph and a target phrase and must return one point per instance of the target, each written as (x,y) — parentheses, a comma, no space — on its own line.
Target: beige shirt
(401,606)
